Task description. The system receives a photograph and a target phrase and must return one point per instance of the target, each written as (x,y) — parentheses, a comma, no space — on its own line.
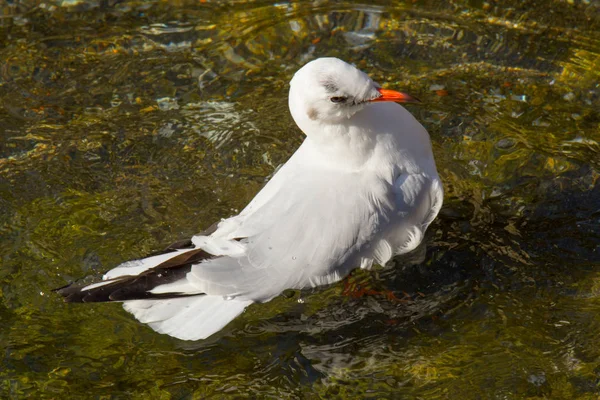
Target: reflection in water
(127,125)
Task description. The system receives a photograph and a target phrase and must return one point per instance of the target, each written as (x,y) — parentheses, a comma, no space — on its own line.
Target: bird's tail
(155,290)
(187,318)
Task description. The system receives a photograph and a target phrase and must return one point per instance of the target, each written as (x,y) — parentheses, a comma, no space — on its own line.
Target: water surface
(128,125)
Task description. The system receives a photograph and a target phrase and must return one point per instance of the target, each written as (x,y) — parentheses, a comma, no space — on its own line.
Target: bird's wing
(315,222)
(313,230)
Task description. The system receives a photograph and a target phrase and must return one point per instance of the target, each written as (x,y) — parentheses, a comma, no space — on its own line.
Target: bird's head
(330,91)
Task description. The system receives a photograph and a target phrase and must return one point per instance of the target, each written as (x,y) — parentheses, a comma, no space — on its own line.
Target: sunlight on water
(127,125)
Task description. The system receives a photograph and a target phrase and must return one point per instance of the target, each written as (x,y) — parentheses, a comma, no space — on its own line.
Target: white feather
(95,285)
(218,246)
(136,267)
(180,286)
(187,318)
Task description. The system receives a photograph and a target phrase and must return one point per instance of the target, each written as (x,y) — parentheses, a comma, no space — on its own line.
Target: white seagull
(362,188)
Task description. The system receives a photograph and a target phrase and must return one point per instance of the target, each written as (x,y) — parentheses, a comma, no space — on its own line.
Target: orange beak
(392,95)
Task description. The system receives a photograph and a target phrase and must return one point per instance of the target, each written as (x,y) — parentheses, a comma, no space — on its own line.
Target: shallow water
(128,125)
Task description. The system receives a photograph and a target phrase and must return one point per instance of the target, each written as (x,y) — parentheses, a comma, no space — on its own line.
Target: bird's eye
(338,99)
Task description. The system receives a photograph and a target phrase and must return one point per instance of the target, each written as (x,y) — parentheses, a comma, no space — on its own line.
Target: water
(129,125)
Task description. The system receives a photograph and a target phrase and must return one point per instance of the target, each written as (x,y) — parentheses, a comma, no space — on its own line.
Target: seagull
(362,188)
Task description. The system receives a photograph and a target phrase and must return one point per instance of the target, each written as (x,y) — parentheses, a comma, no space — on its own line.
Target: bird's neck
(340,145)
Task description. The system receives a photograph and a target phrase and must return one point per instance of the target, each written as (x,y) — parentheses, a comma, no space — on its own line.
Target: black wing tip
(74,293)
(138,287)
(63,289)
(70,293)
(125,288)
